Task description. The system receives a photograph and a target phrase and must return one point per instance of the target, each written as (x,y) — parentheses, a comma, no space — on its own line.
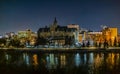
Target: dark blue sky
(16,15)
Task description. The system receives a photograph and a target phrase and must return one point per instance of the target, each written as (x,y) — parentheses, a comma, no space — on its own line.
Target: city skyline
(28,14)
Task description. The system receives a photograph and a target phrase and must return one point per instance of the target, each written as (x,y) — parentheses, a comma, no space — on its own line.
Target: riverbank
(63,50)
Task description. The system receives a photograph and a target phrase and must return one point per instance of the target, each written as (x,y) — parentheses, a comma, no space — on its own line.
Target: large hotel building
(58,35)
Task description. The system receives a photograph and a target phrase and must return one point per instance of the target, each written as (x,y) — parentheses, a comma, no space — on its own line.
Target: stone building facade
(56,35)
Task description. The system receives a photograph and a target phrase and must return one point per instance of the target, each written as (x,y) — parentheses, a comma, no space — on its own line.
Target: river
(16,62)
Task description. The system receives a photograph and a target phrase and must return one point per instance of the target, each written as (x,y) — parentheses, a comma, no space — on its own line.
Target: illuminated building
(57,35)
(110,34)
(82,35)
(96,37)
(9,35)
(77,33)
(85,36)
(73,26)
(27,36)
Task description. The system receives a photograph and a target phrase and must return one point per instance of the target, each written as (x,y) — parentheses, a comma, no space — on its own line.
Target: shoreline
(63,50)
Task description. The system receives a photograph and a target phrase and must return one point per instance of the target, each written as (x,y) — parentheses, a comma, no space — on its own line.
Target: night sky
(17,15)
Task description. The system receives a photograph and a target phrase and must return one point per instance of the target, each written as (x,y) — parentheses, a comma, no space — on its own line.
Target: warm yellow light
(35,60)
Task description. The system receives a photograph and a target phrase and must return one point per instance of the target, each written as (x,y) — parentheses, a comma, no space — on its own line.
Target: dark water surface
(16,62)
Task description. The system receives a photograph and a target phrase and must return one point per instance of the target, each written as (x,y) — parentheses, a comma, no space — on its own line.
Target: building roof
(58,28)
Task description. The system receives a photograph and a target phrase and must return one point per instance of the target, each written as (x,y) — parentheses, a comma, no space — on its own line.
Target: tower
(54,25)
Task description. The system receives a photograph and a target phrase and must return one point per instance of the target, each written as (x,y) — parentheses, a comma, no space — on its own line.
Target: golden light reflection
(111,60)
(63,60)
(98,60)
(117,58)
(114,59)
(35,60)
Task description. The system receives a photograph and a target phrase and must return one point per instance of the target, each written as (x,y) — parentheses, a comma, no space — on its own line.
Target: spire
(54,25)
(55,21)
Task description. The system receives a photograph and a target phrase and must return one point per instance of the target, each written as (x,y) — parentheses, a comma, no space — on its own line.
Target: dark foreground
(99,61)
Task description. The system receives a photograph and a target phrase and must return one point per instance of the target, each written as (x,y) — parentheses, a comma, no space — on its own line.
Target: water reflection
(91,58)
(52,61)
(113,60)
(85,58)
(7,56)
(98,60)
(26,58)
(62,60)
(88,63)
(77,59)
(117,58)
(35,60)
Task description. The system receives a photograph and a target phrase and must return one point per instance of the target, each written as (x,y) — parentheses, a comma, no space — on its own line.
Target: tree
(115,42)
(88,43)
(69,40)
(100,44)
(105,44)
(2,41)
(14,43)
(83,44)
(96,45)
(119,43)
(110,42)
(41,41)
